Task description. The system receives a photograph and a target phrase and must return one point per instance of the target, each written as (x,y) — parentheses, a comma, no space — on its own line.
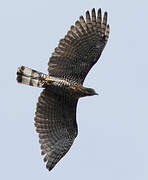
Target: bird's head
(90,92)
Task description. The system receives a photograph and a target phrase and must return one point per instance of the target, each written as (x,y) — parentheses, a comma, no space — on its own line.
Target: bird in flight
(55,116)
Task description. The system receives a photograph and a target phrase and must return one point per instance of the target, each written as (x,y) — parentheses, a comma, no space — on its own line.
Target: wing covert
(55,122)
(81,48)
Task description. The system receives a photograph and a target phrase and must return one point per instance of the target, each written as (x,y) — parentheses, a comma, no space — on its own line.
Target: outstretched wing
(81,48)
(55,121)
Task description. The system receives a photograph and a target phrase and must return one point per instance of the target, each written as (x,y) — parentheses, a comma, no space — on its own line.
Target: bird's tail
(30,77)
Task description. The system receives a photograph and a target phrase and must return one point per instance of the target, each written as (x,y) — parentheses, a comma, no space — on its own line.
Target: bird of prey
(77,52)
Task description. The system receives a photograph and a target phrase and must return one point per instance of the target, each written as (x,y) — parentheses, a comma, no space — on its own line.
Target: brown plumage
(77,52)
(80,49)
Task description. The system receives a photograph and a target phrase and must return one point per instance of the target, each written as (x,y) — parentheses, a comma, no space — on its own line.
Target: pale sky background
(113,127)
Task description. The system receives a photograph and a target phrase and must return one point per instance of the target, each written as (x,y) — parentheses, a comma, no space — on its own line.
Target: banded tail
(31,77)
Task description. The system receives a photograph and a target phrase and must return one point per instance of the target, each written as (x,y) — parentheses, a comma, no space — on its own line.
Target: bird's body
(58,85)
(55,117)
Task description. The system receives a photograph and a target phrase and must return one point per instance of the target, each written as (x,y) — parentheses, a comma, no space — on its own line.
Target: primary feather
(81,48)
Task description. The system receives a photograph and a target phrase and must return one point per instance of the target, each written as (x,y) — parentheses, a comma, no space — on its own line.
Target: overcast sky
(113,127)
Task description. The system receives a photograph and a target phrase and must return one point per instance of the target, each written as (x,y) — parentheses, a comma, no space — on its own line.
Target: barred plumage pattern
(81,48)
(30,77)
(77,52)
(55,121)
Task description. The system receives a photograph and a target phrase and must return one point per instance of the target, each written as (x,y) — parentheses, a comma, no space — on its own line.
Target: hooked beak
(96,93)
